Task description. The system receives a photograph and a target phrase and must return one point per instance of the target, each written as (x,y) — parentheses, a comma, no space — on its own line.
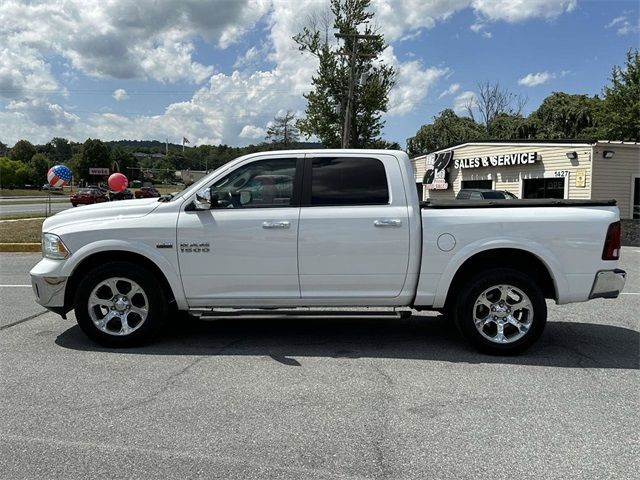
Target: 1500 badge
(194,247)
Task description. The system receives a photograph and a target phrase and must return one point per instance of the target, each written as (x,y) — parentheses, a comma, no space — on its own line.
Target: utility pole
(348,111)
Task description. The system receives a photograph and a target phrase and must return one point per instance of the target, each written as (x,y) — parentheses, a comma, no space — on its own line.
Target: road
(345,398)
(13,208)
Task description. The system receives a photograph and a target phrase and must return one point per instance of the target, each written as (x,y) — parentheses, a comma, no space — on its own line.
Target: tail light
(611,249)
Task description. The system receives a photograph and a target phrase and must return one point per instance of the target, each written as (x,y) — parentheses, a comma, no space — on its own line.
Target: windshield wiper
(166,198)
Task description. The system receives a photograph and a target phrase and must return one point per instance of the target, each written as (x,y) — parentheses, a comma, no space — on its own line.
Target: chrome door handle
(276,224)
(387,222)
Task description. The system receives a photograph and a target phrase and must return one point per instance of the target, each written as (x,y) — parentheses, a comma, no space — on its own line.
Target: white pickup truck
(326,228)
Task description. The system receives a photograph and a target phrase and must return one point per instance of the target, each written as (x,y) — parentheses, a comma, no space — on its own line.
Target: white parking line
(630,293)
(15,286)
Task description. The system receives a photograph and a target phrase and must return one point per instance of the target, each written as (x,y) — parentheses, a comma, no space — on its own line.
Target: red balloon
(117,182)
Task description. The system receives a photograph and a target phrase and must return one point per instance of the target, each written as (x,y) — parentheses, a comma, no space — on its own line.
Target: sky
(218,71)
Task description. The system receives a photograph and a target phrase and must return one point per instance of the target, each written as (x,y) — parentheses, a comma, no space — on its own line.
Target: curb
(20,247)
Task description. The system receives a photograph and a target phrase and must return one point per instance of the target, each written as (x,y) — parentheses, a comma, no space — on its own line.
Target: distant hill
(146,144)
(155,145)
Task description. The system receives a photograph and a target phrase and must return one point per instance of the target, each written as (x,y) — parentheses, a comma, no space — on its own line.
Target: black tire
(74,204)
(471,292)
(156,300)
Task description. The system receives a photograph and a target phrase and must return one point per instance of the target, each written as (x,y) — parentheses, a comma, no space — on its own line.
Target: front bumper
(49,291)
(608,283)
(49,283)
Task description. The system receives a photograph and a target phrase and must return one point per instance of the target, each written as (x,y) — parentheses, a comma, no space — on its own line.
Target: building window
(543,188)
(488,184)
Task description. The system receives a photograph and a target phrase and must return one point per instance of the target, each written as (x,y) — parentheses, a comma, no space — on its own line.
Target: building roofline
(577,142)
(533,142)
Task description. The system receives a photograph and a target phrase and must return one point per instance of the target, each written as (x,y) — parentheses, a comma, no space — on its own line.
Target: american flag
(58,175)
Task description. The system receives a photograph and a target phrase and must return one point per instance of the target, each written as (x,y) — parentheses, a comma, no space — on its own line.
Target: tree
(39,165)
(620,117)
(3,149)
(61,149)
(493,100)
(13,173)
(510,127)
(122,161)
(562,115)
(283,130)
(446,130)
(94,154)
(351,81)
(22,151)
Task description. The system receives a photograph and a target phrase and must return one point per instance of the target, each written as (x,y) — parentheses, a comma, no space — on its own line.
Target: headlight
(52,247)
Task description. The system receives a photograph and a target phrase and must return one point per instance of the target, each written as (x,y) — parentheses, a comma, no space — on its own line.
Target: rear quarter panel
(568,240)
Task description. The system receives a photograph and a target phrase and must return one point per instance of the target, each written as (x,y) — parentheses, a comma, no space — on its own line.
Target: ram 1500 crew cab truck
(326,228)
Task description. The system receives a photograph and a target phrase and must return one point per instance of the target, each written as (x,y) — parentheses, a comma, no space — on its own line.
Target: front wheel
(501,311)
(120,304)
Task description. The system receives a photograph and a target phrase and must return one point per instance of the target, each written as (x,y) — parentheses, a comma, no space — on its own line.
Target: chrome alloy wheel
(118,306)
(503,314)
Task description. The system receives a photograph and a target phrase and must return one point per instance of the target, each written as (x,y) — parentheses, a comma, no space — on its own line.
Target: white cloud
(252,132)
(453,88)
(487,34)
(463,100)
(476,27)
(535,79)
(519,10)
(120,94)
(616,21)
(124,39)
(413,82)
(23,74)
(623,26)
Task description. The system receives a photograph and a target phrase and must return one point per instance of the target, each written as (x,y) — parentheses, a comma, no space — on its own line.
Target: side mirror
(203,199)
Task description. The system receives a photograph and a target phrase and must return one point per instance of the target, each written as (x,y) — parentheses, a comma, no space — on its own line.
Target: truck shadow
(430,338)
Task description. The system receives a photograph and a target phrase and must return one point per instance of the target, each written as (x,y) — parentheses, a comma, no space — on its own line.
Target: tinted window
(492,195)
(477,184)
(264,183)
(348,181)
(544,188)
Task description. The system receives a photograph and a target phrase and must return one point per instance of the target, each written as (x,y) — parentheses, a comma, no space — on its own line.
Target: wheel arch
(516,259)
(110,255)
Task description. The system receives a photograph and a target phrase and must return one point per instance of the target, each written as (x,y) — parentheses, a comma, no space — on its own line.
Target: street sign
(98,171)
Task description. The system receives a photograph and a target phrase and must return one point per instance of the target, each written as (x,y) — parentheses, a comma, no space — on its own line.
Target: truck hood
(121,209)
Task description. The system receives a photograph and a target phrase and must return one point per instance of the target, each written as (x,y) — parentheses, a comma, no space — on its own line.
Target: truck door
(354,229)
(244,251)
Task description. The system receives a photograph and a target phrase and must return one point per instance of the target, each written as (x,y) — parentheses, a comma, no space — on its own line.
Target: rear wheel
(120,304)
(501,311)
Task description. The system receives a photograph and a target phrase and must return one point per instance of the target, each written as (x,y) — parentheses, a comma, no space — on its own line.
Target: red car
(147,192)
(88,196)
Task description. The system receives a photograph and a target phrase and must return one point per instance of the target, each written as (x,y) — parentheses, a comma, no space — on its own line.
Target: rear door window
(348,181)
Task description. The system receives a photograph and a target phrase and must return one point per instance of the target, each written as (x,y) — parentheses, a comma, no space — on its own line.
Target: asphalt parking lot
(314,398)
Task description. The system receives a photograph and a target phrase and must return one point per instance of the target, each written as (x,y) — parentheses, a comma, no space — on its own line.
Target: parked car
(123,195)
(349,231)
(88,196)
(147,192)
(484,194)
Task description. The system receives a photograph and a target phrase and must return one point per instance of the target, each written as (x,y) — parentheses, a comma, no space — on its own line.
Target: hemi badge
(164,245)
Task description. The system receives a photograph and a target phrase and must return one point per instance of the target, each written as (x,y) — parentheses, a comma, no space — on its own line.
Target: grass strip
(26,231)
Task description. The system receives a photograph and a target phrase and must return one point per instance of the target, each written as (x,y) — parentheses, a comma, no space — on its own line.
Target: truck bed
(519,203)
